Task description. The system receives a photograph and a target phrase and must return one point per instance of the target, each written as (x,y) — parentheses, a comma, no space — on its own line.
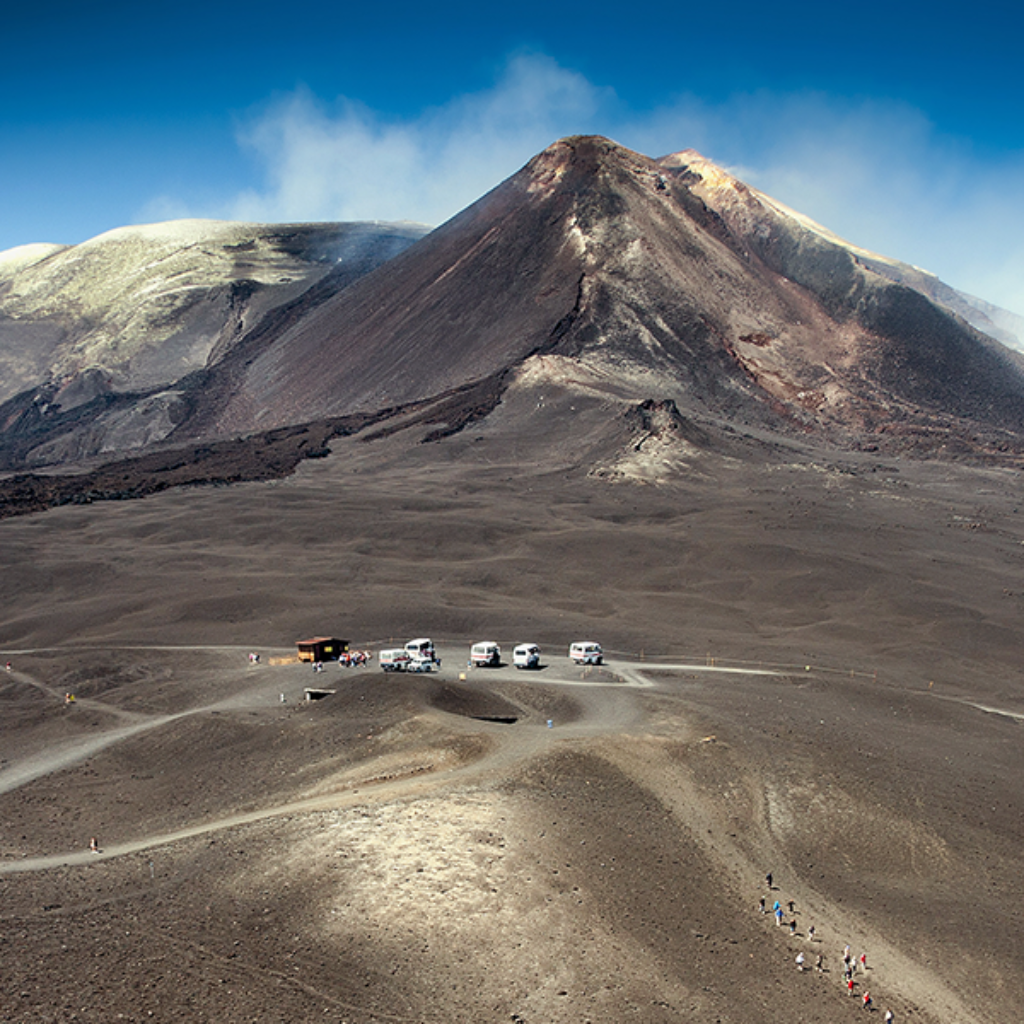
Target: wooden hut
(321,648)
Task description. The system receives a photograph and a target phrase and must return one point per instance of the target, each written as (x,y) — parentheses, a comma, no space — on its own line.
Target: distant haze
(877,173)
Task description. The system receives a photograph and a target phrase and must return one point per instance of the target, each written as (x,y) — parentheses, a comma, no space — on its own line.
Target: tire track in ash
(73,752)
(608,707)
(67,754)
(510,747)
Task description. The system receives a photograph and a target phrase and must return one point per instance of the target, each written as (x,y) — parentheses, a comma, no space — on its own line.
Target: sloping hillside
(594,267)
(625,266)
(115,322)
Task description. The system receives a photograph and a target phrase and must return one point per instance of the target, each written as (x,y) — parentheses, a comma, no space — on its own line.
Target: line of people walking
(850,965)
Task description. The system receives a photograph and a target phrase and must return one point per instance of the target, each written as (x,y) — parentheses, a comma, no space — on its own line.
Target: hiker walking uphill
(802,959)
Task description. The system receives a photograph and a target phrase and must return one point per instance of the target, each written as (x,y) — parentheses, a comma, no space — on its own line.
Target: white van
(422,649)
(586,652)
(526,656)
(486,654)
(397,659)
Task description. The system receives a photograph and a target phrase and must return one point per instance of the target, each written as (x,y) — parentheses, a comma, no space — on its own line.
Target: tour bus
(526,656)
(396,659)
(422,648)
(586,652)
(486,654)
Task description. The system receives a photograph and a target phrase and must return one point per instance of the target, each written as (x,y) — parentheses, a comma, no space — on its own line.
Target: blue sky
(894,124)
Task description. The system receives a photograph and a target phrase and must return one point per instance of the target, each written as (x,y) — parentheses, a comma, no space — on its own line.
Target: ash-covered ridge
(594,269)
(119,320)
(757,216)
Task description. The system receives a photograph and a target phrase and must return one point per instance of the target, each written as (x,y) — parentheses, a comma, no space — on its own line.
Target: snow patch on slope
(23,256)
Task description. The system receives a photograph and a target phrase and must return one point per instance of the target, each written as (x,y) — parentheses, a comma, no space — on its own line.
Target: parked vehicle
(586,652)
(423,647)
(396,659)
(485,654)
(526,656)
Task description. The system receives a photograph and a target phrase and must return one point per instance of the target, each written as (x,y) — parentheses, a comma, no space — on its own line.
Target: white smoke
(880,175)
(875,172)
(344,162)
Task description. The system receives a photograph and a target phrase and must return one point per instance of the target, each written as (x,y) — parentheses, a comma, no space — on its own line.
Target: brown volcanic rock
(585,252)
(477,296)
(623,264)
(599,270)
(923,360)
(798,246)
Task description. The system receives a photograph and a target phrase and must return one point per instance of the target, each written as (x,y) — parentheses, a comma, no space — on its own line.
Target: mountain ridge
(728,196)
(120,322)
(596,268)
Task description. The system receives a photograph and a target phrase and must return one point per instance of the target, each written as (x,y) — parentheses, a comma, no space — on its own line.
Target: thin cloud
(874,172)
(347,163)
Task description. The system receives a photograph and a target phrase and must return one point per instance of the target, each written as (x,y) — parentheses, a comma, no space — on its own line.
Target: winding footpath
(607,707)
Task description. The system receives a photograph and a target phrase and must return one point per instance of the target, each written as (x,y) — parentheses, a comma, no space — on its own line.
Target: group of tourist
(348,659)
(355,659)
(850,966)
